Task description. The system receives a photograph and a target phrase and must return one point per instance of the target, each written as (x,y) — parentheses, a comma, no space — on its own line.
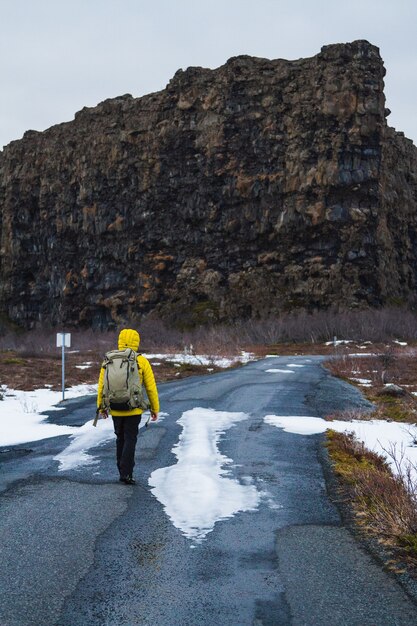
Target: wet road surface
(78,548)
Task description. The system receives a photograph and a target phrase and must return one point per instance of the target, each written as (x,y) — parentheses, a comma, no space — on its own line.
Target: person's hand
(154,416)
(104,414)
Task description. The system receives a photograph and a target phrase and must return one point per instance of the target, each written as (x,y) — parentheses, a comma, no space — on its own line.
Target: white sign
(63,340)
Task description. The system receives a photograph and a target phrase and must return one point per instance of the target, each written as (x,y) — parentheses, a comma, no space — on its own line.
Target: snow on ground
(198,490)
(20,419)
(202,359)
(83,438)
(278,371)
(365,382)
(21,422)
(338,342)
(378,435)
(77,454)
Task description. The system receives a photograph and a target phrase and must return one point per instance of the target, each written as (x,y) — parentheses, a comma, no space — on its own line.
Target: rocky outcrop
(257,187)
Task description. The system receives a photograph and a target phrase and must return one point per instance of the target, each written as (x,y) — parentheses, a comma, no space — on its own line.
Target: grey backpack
(122,389)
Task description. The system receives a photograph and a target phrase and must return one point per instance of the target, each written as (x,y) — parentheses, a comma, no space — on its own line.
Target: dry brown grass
(384,505)
(297,327)
(291,334)
(348,415)
(387,364)
(392,364)
(34,372)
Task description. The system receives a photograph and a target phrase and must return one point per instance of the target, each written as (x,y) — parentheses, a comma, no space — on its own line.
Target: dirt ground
(34,372)
(27,371)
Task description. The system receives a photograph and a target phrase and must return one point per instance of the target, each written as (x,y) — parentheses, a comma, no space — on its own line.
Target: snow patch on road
(298,424)
(86,437)
(278,371)
(198,490)
(392,440)
(76,454)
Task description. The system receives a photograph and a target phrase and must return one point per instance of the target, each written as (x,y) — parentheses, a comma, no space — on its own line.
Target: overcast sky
(57,56)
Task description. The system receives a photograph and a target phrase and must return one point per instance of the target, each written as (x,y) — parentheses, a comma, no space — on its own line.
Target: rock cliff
(257,187)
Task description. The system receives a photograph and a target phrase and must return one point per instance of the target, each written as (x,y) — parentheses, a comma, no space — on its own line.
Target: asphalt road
(80,549)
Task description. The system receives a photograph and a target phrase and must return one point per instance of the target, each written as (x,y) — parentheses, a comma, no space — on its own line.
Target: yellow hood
(129,338)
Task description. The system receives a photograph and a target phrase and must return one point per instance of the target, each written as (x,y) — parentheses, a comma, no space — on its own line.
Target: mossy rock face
(8,325)
(204,312)
(215,203)
(396,301)
(187,315)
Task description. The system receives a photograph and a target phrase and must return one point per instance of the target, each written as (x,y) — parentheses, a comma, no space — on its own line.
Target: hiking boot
(127,480)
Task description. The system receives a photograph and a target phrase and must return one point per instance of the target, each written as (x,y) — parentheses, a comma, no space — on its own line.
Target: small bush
(389,508)
(350,455)
(373,325)
(385,504)
(348,415)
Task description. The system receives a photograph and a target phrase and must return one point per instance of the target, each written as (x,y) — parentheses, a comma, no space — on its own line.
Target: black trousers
(126,428)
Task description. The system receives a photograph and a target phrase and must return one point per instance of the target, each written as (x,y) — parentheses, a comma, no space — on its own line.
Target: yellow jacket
(129,338)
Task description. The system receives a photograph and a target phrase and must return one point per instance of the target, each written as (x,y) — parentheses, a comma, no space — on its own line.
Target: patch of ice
(278,371)
(294,365)
(198,490)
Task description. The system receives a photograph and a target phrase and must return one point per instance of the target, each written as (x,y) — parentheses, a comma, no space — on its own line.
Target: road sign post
(63,340)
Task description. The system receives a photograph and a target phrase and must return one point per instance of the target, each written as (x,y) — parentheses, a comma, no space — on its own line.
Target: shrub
(385,504)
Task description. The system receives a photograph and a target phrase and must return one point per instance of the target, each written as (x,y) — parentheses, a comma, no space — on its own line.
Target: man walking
(127,415)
